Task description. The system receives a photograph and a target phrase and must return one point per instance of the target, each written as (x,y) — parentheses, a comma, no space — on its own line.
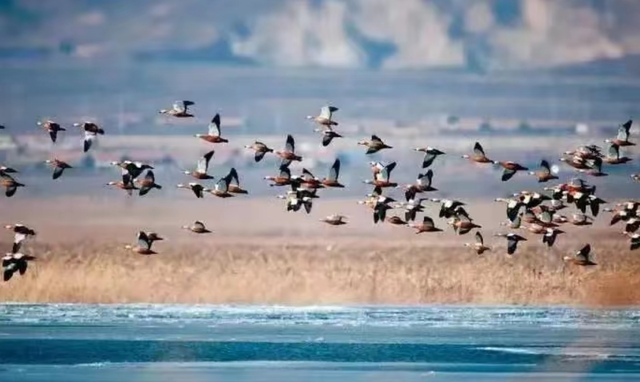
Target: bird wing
(614,151)
(512,245)
(57,172)
(334,172)
(290,144)
(143,240)
(428,222)
(198,225)
(233,177)
(197,190)
(126,177)
(203,163)
(326,139)
(383,175)
(150,177)
(285,172)
(180,106)
(307,175)
(18,238)
(375,138)
(222,185)
(89,137)
(259,155)
(507,174)
(623,133)
(390,167)
(428,160)
(478,150)
(327,111)
(546,169)
(429,178)
(214,126)
(546,217)
(479,239)
(583,253)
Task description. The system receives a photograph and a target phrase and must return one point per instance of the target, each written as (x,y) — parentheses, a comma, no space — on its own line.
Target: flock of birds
(532,211)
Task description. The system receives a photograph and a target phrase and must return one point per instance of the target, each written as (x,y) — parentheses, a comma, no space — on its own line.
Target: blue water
(70,342)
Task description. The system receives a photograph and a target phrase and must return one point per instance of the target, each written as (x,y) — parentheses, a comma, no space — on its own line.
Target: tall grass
(314,274)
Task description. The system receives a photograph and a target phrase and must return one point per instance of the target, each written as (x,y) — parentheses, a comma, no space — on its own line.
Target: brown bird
(422,184)
(462,224)
(613,156)
(202,167)
(147,183)
(581,258)
(478,245)
(334,220)
(325,117)
(125,184)
(478,155)
(234,183)
(283,179)
(427,225)
(544,174)
(381,178)
(396,220)
(510,168)
(10,184)
(309,180)
(221,189)
(214,132)
(197,227)
(197,188)
(332,179)
(622,139)
(52,128)
(374,145)
(143,245)
(576,162)
(260,148)
(58,167)
(180,109)
(288,154)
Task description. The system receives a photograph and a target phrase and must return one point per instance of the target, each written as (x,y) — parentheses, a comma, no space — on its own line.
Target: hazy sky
(399,34)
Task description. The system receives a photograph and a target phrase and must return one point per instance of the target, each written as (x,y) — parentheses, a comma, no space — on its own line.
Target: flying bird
(581,257)
(214,134)
(180,109)
(430,154)
(260,150)
(478,155)
(197,227)
(202,167)
(478,245)
(143,245)
(52,128)
(325,117)
(58,167)
(374,145)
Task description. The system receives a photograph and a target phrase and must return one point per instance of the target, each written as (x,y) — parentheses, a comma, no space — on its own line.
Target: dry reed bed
(314,274)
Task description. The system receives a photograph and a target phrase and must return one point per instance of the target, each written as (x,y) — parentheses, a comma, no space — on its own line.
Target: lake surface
(74,342)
